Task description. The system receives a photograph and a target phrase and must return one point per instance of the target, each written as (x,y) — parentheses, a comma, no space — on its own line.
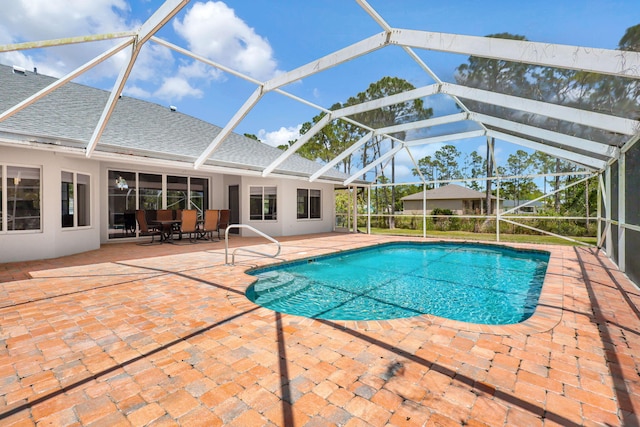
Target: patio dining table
(166,228)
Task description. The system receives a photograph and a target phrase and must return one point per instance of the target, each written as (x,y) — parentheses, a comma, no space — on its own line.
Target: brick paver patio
(163,335)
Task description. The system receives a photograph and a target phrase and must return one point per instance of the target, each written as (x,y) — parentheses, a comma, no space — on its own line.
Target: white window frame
(4,209)
(75,199)
(308,198)
(263,193)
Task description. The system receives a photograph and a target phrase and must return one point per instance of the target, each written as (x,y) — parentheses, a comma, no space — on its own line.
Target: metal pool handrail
(233,255)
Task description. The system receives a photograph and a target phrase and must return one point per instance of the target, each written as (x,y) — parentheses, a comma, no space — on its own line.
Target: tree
(403,112)
(617,95)
(495,75)
(444,165)
(386,116)
(447,163)
(474,167)
(519,164)
(428,168)
(330,141)
(631,39)
(544,164)
(252,136)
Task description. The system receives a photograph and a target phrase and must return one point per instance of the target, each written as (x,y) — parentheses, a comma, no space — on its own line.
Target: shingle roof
(71,112)
(448,192)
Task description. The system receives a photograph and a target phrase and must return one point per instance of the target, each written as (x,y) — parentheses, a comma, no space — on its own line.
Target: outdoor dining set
(169,223)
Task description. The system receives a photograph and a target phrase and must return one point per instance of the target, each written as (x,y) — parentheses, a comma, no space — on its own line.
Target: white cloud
(281,136)
(33,20)
(136,92)
(213,30)
(153,63)
(176,88)
(198,70)
(404,174)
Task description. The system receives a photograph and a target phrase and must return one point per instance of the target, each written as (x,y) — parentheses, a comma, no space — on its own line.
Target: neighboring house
(459,199)
(58,201)
(531,208)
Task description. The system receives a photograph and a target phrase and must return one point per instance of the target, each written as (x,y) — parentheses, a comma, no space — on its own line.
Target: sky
(264,38)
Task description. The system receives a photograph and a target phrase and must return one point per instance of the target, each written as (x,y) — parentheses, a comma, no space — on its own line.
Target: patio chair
(210,223)
(164,215)
(145,230)
(189,224)
(223,222)
(129,223)
(177,215)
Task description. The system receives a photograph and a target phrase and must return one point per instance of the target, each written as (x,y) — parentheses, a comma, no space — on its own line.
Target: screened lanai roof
(580,134)
(136,129)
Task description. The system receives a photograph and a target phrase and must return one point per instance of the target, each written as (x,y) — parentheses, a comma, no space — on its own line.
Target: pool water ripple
(466,282)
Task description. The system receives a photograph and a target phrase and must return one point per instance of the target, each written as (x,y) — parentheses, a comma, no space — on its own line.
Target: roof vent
(19,70)
(173,108)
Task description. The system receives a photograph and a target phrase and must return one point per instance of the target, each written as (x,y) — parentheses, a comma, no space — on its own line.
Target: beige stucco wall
(415,206)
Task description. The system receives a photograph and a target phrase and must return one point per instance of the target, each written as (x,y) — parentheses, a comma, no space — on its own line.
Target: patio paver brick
(131,335)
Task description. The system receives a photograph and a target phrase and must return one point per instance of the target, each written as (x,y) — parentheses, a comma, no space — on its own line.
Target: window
(75,201)
(308,202)
(129,191)
(177,192)
(122,204)
(150,190)
(199,196)
(22,186)
(262,203)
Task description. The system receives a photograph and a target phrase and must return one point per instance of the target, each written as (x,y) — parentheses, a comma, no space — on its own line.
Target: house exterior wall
(287,223)
(415,206)
(292,225)
(51,240)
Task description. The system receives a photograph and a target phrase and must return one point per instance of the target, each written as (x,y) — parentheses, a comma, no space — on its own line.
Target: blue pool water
(467,282)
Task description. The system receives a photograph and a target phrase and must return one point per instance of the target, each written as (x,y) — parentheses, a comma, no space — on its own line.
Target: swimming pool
(475,283)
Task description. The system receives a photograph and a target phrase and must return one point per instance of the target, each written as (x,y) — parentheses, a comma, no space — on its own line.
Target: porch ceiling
(593,155)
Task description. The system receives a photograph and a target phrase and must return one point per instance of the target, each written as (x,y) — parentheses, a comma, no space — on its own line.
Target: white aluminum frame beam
(371,165)
(604,61)
(353,51)
(451,118)
(343,55)
(387,28)
(390,129)
(416,165)
(299,143)
(406,144)
(111,102)
(557,152)
(237,117)
(560,138)
(544,196)
(204,60)
(65,79)
(341,156)
(161,16)
(445,138)
(387,101)
(65,41)
(575,115)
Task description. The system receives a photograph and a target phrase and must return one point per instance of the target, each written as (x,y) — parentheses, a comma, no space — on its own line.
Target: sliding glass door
(129,191)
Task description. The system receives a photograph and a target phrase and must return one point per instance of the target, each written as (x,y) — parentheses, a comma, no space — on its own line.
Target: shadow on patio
(171,339)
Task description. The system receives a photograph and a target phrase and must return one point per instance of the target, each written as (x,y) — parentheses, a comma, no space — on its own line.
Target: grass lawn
(465,235)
